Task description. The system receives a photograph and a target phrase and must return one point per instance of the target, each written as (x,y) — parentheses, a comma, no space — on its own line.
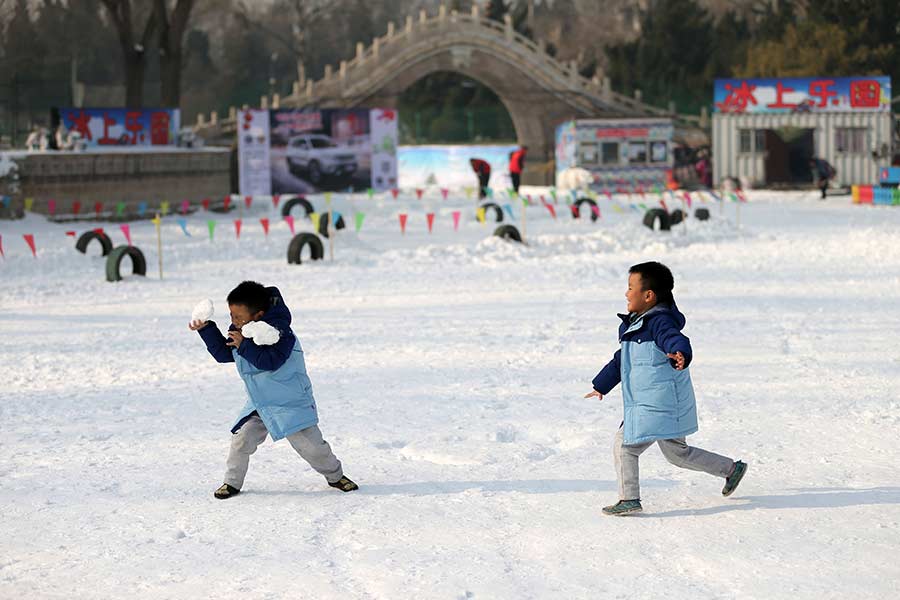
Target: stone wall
(129,177)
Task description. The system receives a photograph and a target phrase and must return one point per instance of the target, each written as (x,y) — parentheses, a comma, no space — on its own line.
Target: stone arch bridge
(538,91)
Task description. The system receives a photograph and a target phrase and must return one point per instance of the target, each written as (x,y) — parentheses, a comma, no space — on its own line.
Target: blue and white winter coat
(659,400)
(278,387)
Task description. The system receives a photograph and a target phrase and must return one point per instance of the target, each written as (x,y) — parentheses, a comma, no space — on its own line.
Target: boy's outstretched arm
(215,342)
(609,376)
(669,339)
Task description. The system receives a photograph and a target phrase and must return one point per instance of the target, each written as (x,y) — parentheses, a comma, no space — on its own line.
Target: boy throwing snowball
(270,361)
(656,388)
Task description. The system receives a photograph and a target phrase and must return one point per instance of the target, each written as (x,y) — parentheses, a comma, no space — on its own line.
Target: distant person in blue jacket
(658,396)
(280,399)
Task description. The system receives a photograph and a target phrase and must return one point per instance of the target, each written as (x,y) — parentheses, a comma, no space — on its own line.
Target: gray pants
(307,442)
(676,452)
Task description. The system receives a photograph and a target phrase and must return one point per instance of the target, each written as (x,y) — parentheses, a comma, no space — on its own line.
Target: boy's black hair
(658,278)
(251,294)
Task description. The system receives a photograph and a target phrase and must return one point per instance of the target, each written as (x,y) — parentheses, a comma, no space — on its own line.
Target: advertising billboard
(123,126)
(447,166)
(305,151)
(802,95)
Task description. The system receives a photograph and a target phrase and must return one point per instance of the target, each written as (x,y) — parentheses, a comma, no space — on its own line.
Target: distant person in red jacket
(704,170)
(516,164)
(483,172)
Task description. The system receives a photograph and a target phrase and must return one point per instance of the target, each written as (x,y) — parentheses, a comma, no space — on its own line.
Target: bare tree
(305,13)
(134,49)
(172,27)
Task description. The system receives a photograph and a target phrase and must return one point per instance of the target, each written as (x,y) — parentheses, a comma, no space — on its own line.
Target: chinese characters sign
(803,95)
(122,126)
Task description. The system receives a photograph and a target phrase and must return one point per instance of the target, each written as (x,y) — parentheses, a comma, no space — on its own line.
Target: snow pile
(574,178)
(203,311)
(261,332)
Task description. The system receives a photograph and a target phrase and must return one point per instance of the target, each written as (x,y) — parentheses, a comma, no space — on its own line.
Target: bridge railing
(499,33)
(438,23)
(503,34)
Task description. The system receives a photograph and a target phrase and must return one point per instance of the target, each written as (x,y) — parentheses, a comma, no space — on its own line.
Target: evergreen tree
(814,49)
(495,10)
(670,61)
(21,73)
(870,24)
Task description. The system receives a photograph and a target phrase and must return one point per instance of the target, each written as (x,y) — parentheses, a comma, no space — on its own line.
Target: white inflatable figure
(44,140)
(574,178)
(62,138)
(261,333)
(8,168)
(203,311)
(76,142)
(32,142)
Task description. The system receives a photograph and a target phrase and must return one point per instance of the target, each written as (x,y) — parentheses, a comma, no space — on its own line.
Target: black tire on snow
(295,248)
(88,236)
(298,201)
(324,218)
(498,212)
(508,232)
(576,214)
(702,214)
(115,258)
(676,217)
(657,213)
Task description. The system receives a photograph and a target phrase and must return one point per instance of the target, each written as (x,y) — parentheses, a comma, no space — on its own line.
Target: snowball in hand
(203,311)
(262,333)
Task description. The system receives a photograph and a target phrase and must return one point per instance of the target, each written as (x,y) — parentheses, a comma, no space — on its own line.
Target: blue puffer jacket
(278,387)
(659,400)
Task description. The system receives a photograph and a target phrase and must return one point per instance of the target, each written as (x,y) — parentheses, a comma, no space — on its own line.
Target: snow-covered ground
(449,371)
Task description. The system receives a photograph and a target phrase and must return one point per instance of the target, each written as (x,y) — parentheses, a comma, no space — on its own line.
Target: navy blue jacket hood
(670,310)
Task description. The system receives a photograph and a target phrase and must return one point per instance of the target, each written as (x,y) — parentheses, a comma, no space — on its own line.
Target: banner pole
(158,220)
(330,231)
(524,220)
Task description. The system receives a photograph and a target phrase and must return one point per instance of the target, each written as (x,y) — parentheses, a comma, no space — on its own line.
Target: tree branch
(149,27)
(180,17)
(159,9)
(270,32)
(310,15)
(123,28)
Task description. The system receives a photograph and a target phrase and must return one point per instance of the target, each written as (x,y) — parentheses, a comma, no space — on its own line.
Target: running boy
(280,398)
(656,388)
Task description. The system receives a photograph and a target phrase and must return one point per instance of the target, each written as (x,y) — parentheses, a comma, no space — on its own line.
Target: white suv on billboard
(319,157)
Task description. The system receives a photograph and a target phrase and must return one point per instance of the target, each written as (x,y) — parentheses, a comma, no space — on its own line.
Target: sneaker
(226,491)
(623,507)
(344,484)
(732,481)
